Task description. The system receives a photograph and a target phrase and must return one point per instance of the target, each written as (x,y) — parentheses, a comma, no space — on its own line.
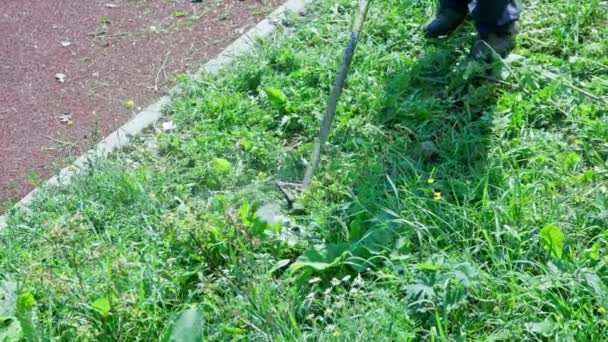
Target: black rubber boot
(446,21)
(488,45)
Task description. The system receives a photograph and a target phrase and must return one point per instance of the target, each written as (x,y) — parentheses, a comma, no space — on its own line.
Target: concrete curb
(149,116)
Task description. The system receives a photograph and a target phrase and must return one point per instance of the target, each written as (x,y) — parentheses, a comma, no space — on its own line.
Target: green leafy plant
(276,97)
(25,308)
(553,240)
(102,306)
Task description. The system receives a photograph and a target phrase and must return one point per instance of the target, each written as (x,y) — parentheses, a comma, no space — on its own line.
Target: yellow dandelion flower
(130,104)
(437,196)
(431,181)
(601,310)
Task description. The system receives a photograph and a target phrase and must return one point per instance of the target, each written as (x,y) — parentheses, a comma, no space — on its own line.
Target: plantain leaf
(553,240)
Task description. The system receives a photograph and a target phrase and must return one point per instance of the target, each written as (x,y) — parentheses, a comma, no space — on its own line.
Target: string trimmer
(331,108)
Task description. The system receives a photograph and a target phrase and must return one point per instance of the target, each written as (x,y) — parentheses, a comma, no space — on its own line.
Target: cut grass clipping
(456,201)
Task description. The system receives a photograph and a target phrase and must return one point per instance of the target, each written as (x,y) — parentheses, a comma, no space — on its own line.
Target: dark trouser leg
(495,16)
(458,5)
(495,21)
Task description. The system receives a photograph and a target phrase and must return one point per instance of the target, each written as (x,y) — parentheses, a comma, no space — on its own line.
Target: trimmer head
(291,192)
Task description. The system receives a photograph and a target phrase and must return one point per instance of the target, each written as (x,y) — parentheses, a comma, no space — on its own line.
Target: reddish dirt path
(133,56)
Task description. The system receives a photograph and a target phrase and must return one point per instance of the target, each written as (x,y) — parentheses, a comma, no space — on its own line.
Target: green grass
(499,233)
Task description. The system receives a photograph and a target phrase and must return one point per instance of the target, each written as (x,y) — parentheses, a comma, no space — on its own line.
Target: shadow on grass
(447,104)
(437,115)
